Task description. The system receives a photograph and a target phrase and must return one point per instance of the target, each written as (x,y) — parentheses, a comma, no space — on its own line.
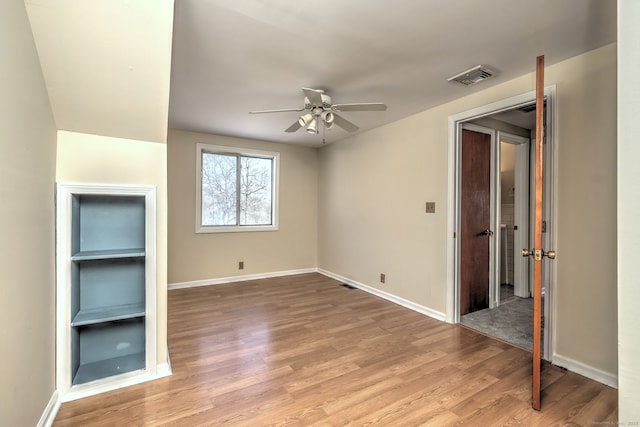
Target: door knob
(487,232)
(538,253)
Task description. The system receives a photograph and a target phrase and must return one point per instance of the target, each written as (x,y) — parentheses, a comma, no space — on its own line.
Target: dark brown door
(475,218)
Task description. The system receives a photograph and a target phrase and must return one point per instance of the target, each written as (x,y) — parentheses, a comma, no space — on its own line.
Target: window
(236,189)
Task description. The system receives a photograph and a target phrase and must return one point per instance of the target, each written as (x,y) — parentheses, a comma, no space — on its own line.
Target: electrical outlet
(383,277)
(241,265)
(430,207)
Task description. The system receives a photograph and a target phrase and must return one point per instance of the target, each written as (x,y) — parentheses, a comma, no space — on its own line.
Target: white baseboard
(389,297)
(163,370)
(231,279)
(585,370)
(385,295)
(50,412)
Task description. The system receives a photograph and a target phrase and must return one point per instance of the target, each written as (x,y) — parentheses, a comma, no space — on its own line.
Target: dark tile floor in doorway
(512,321)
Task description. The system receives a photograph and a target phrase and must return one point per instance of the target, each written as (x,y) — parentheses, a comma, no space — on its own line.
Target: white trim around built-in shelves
(51,411)
(64,193)
(116,382)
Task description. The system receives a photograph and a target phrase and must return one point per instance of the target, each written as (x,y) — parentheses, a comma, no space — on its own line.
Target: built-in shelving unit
(106,284)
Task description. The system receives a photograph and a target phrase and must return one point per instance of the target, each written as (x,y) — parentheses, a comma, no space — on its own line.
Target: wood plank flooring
(303,350)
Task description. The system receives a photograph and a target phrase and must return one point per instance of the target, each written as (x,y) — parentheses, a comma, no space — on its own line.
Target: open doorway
(510,126)
(510,315)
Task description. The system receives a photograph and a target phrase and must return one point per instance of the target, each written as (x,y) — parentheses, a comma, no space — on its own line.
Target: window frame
(237,151)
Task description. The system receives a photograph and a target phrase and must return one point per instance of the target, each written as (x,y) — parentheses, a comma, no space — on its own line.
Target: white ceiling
(230,57)
(107,63)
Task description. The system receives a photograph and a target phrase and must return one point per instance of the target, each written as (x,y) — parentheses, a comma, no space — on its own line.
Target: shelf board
(108,314)
(109,367)
(108,254)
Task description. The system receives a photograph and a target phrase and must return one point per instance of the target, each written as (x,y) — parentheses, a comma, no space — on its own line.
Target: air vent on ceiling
(473,75)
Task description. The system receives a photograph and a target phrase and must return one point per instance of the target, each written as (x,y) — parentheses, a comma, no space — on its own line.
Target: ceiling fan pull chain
(324,129)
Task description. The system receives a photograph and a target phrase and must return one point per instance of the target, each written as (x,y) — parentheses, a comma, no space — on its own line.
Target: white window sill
(235,229)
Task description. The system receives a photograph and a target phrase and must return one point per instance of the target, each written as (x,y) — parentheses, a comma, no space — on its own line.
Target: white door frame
(453,221)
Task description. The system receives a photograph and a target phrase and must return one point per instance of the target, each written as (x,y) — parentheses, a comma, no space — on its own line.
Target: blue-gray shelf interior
(107,286)
(107,349)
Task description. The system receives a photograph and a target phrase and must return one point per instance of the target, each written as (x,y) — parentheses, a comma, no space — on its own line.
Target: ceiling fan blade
(276,111)
(360,106)
(315,97)
(294,127)
(344,123)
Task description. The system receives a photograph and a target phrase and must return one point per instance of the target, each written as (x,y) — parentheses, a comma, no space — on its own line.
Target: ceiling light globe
(328,117)
(313,127)
(305,119)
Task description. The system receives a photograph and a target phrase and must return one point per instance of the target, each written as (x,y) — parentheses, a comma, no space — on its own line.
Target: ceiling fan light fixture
(328,117)
(313,126)
(305,119)
(319,110)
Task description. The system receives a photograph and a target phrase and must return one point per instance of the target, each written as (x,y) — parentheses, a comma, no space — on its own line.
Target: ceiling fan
(320,110)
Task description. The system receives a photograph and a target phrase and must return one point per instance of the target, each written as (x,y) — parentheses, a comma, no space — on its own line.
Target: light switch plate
(431,207)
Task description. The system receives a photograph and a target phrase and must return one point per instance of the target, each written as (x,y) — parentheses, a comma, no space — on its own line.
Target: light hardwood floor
(303,350)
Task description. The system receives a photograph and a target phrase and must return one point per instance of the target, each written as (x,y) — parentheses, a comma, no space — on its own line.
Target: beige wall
(628,208)
(27,174)
(373,188)
(194,257)
(87,158)
(585,303)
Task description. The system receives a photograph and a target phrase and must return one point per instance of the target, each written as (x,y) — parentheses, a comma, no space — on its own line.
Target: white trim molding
(65,191)
(453,221)
(585,370)
(241,152)
(114,383)
(50,411)
(164,369)
(232,279)
(387,296)
(454,121)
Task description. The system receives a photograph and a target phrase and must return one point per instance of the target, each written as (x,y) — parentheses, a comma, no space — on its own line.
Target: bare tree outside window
(219,189)
(255,191)
(236,190)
